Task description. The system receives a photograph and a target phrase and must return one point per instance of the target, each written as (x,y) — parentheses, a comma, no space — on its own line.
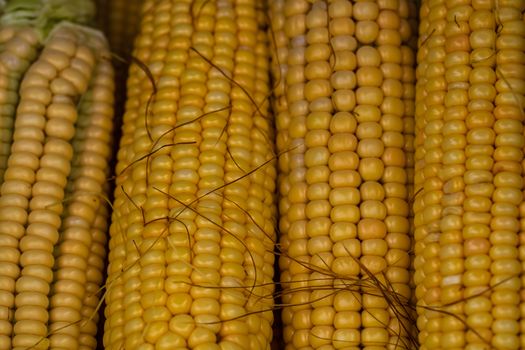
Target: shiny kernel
(372,336)
(377,247)
(374,317)
(201,335)
(369,76)
(323,316)
(371,169)
(371,228)
(370,148)
(373,209)
(343,122)
(368,56)
(179,303)
(344,100)
(343,80)
(365,11)
(182,324)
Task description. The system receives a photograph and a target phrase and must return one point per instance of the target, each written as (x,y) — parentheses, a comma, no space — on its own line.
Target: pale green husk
(43,15)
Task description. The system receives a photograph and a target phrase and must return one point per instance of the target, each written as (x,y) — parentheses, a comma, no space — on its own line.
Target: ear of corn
(120,21)
(54,185)
(192,236)
(469,174)
(193,222)
(343,123)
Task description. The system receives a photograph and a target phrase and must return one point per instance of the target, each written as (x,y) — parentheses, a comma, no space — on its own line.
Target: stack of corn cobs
(284,174)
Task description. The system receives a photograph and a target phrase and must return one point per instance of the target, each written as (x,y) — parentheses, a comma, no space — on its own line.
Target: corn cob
(55,175)
(469,174)
(192,233)
(341,119)
(120,21)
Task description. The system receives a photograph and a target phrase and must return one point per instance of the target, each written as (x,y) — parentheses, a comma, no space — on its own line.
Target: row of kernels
(128,295)
(409,92)
(152,316)
(131,185)
(294,29)
(521,256)
(94,276)
(204,302)
(428,157)
(521,248)
(16,192)
(175,297)
(124,216)
(57,153)
(293,205)
(372,208)
(263,137)
(197,258)
(83,185)
(318,213)
(145,318)
(506,201)
(317,74)
(256,265)
(397,256)
(279,67)
(392,126)
(408,79)
(453,201)
(116,264)
(482,78)
(409,13)
(258,259)
(125,281)
(374,249)
(18,51)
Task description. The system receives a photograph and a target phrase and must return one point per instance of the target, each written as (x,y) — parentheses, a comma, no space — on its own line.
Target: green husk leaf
(43,15)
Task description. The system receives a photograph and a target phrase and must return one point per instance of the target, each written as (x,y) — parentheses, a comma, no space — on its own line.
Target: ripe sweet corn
(469,174)
(192,234)
(343,124)
(54,186)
